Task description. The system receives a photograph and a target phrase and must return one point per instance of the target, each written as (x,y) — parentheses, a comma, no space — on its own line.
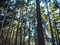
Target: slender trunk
(16,34)
(59,16)
(20,35)
(52,35)
(24,38)
(59,42)
(35,37)
(24,34)
(1,33)
(7,37)
(29,37)
(11,27)
(35,21)
(39,30)
(21,20)
(2,36)
(55,30)
(21,27)
(4,19)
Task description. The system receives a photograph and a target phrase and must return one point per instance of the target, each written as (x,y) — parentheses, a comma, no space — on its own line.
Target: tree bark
(52,35)
(39,25)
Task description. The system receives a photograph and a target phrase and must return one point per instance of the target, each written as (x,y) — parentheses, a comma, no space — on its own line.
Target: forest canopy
(29,22)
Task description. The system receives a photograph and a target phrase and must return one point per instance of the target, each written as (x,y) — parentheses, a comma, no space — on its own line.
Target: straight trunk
(20,35)
(7,37)
(17,33)
(24,38)
(21,19)
(52,35)
(29,37)
(39,30)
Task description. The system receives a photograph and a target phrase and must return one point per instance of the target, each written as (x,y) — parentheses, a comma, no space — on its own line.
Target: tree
(39,25)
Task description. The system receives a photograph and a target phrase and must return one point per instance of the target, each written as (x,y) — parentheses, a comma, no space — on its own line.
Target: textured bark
(39,25)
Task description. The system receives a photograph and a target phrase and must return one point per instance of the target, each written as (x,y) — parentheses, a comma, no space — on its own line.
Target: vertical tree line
(39,29)
(28,28)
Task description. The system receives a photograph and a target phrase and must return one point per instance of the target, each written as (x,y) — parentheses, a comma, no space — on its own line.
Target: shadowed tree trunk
(21,19)
(40,34)
(24,33)
(20,36)
(7,37)
(1,31)
(24,37)
(29,37)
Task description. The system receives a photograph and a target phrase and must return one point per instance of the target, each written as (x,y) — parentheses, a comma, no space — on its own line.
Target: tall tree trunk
(24,37)
(7,37)
(39,30)
(59,16)
(1,31)
(21,20)
(24,33)
(35,25)
(11,27)
(52,35)
(21,35)
(55,29)
(29,36)
(17,33)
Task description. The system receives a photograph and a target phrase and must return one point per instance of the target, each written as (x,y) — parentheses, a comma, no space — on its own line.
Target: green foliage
(25,25)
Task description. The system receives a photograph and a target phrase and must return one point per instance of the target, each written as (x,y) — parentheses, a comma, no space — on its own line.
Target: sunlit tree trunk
(17,33)
(52,35)
(55,30)
(59,16)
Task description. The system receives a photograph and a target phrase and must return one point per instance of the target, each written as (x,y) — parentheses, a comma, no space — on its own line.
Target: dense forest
(29,22)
